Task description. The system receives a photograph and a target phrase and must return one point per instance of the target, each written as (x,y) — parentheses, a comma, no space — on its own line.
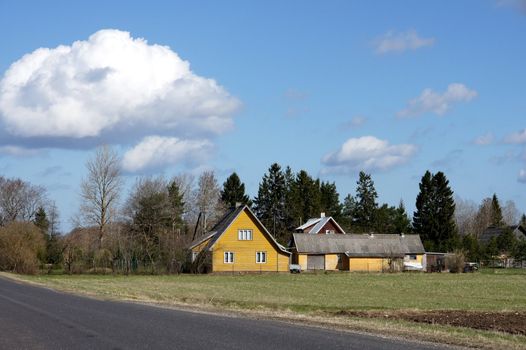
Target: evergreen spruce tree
(523,221)
(41,221)
(366,205)
(348,213)
(330,200)
(306,194)
(384,219)
(175,198)
(433,219)
(401,223)
(269,205)
(234,191)
(447,235)
(422,217)
(496,212)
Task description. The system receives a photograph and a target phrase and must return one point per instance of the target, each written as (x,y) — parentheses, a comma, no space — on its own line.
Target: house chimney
(322,215)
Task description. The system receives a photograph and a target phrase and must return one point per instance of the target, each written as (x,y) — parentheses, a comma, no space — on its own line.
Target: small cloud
(400,42)
(55,170)
(294,94)
(518,137)
(293,112)
(433,102)
(449,160)
(354,123)
(159,151)
(484,140)
(17,151)
(367,153)
(518,5)
(522,176)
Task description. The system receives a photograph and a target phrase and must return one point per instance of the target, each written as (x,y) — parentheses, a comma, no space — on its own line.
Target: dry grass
(308,297)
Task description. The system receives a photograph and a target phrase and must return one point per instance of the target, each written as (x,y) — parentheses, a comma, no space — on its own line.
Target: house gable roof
(220,228)
(317,224)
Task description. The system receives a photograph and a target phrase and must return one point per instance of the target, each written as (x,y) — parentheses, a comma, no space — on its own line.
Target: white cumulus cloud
(516,137)
(430,101)
(400,42)
(110,82)
(522,176)
(158,151)
(367,153)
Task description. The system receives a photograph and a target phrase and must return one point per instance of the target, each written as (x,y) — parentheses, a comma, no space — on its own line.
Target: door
(316,262)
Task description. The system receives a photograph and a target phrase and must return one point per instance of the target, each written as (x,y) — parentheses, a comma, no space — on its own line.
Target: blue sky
(331,87)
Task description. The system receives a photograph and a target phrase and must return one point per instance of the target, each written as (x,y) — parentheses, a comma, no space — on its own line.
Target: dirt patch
(509,322)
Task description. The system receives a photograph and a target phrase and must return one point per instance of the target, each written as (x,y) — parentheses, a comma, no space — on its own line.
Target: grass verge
(319,299)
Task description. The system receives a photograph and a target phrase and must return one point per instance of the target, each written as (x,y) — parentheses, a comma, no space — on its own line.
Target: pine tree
(401,224)
(523,221)
(306,194)
(348,210)
(175,198)
(269,205)
(41,220)
(433,219)
(496,212)
(447,237)
(234,191)
(330,200)
(384,219)
(366,205)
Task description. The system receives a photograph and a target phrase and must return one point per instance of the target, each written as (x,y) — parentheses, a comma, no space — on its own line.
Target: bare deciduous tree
(208,199)
(53,218)
(19,200)
(510,213)
(465,216)
(100,189)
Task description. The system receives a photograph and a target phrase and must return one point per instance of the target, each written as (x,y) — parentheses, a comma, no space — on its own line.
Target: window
(261,257)
(244,235)
(194,256)
(412,257)
(229,258)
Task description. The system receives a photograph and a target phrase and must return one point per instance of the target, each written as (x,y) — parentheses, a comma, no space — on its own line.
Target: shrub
(456,261)
(21,243)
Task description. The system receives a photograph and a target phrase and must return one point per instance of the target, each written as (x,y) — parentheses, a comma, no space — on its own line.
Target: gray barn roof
(358,245)
(518,231)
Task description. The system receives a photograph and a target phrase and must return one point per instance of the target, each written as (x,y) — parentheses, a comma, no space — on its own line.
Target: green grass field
(319,298)
(491,290)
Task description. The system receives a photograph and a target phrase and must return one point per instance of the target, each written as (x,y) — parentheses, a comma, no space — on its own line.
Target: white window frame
(261,257)
(228,257)
(245,235)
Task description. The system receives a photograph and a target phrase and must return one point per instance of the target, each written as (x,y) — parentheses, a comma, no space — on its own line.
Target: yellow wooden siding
(302,261)
(245,250)
(368,264)
(200,246)
(331,262)
(419,258)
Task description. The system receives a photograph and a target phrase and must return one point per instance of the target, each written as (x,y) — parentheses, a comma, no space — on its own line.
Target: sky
(331,87)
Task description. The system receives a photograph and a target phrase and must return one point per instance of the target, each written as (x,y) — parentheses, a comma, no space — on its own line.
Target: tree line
(149,229)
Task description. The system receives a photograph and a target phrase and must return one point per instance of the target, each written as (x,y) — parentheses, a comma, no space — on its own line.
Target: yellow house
(240,243)
(357,252)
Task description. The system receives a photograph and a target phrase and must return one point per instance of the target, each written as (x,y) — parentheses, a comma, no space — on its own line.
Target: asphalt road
(39,318)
